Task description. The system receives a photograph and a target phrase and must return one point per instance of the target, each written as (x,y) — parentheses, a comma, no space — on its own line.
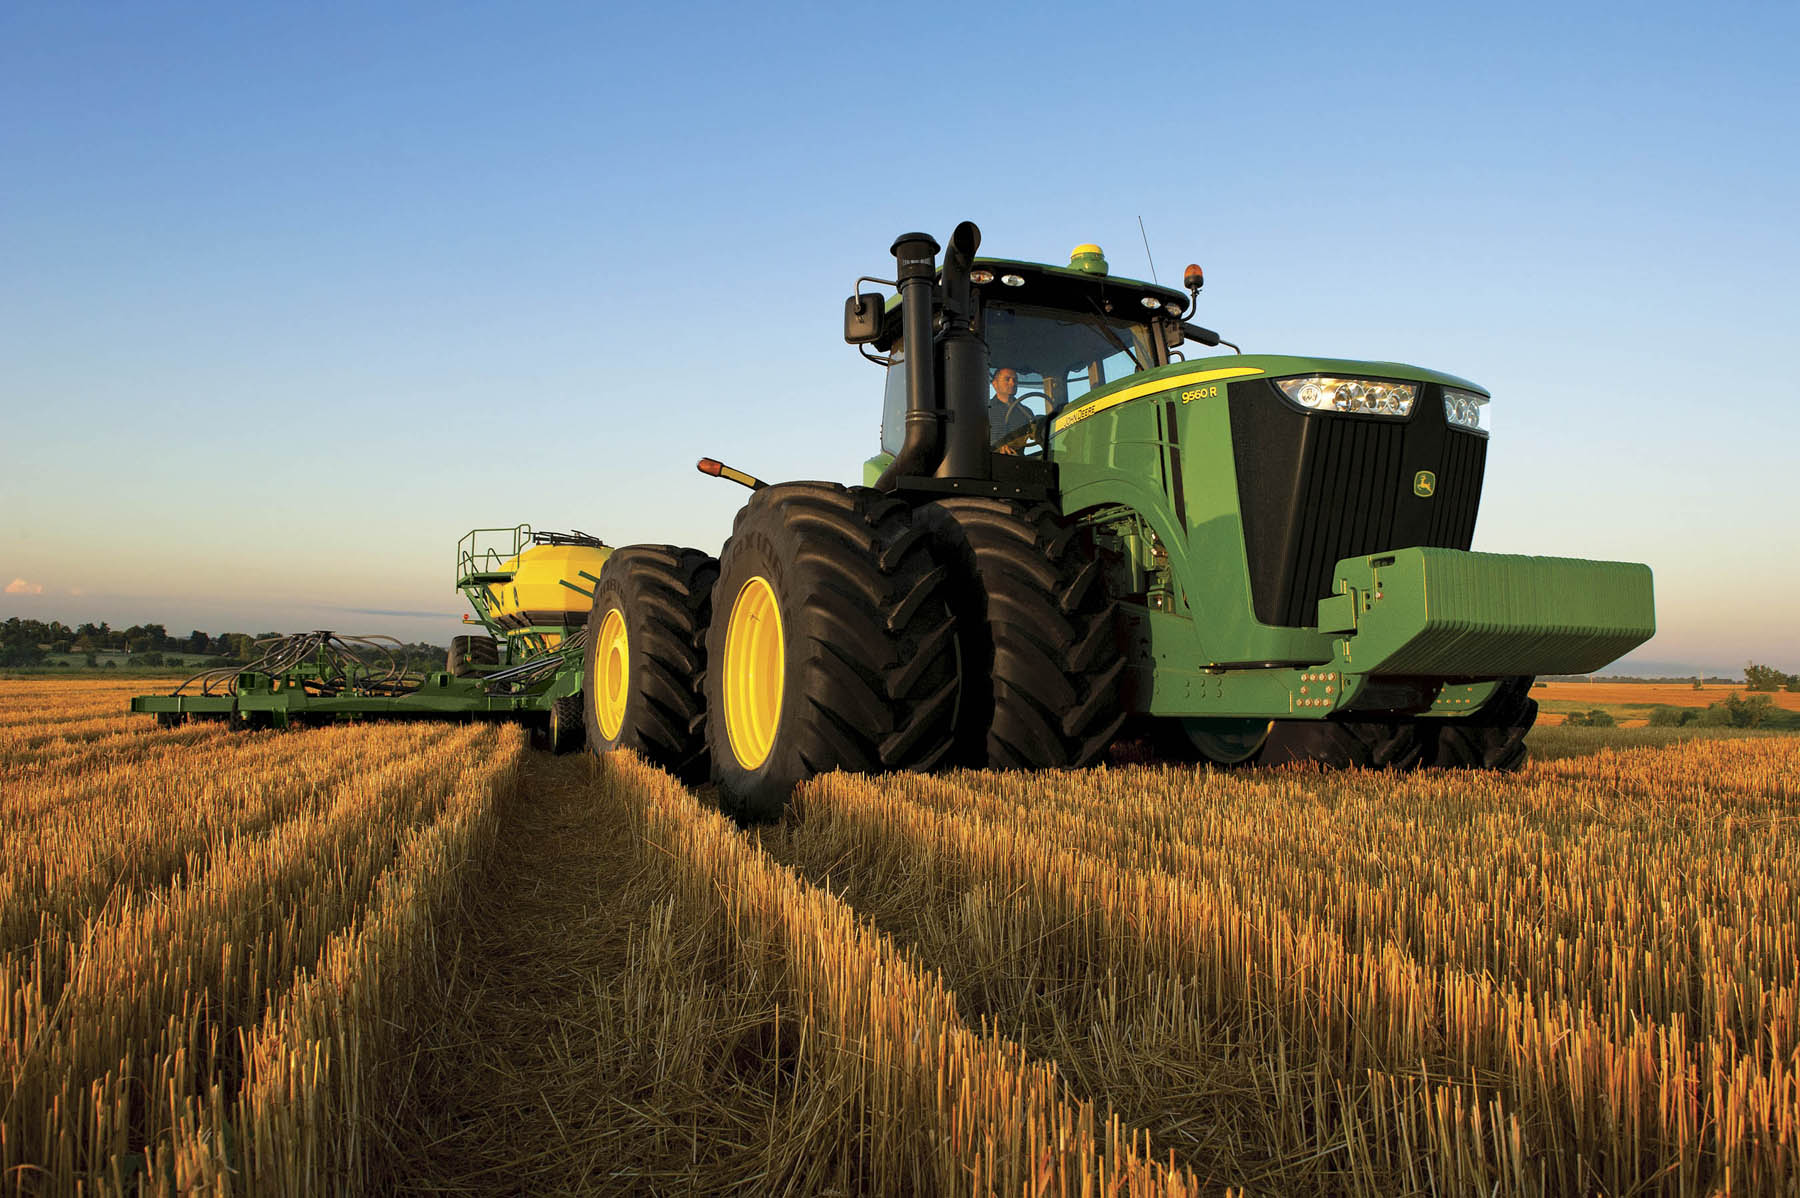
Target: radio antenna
(1146,238)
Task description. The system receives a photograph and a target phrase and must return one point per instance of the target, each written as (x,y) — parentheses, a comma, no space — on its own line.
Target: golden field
(1629,695)
(422,959)
(1674,695)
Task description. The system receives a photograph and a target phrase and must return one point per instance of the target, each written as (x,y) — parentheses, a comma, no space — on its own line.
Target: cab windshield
(1056,357)
(1060,355)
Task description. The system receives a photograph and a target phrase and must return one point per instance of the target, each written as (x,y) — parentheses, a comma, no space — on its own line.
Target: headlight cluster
(1363,397)
(1464,408)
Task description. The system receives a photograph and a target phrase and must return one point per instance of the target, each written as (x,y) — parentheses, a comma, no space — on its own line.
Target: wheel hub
(755,660)
(612,666)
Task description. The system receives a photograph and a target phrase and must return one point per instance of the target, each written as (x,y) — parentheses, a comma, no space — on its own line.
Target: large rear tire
(831,645)
(467,652)
(1492,738)
(646,656)
(1036,632)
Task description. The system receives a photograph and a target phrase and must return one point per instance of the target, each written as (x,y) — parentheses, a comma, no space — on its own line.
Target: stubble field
(424,959)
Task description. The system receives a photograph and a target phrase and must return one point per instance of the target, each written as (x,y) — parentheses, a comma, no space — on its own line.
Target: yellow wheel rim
(612,671)
(755,657)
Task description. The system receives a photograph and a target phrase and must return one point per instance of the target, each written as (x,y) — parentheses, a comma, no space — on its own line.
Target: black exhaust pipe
(915,258)
(965,365)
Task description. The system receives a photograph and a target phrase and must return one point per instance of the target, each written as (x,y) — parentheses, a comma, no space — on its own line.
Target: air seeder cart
(530,592)
(1244,558)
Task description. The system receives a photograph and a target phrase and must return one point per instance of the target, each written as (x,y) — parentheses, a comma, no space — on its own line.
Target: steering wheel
(1017,440)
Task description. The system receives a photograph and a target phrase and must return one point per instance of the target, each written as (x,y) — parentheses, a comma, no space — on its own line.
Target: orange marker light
(719,469)
(1193,278)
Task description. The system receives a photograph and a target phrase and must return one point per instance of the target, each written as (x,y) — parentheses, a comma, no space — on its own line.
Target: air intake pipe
(915,261)
(966,451)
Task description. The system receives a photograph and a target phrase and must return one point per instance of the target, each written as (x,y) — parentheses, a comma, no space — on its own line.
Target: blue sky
(291,297)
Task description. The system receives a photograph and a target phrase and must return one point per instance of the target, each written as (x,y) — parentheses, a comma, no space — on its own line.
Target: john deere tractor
(1241,559)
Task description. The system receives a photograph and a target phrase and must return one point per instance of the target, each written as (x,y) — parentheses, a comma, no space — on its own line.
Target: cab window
(1060,355)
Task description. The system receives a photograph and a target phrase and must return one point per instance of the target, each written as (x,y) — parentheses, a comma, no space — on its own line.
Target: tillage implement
(530,592)
(1077,533)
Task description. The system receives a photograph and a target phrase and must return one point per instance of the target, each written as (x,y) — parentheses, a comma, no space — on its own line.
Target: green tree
(1734,711)
(21,655)
(1763,678)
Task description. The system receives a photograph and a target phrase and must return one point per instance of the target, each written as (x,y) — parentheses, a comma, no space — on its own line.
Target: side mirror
(1204,336)
(862,318)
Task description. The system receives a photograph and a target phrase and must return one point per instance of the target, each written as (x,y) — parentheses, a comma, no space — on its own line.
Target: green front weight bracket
(1446,613)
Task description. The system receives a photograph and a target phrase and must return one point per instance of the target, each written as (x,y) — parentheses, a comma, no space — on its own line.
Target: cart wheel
(467,652)
(248,721)
(565,731)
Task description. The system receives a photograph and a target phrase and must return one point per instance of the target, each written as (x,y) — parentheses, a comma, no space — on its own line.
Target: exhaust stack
(965,365)
(915,262)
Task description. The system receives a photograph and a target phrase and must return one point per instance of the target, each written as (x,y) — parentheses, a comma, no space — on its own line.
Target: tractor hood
(1194,375)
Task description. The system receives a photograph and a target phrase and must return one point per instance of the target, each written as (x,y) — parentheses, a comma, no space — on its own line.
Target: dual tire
(841,629)
(831,645)
(1490,739)
(646,656)
(1038,649)
(1493,738)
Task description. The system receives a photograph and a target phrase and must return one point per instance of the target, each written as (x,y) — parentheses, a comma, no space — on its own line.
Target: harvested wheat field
(424,959)
(1655,694)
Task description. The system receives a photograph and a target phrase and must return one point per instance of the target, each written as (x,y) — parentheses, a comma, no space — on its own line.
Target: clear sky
(291,296)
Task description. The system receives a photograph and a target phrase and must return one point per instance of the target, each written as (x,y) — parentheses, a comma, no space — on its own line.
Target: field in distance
(420,958)
(1632,702)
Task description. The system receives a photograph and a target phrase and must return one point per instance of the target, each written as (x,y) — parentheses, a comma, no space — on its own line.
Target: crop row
(1584,978)
(222,953)
(933,1104)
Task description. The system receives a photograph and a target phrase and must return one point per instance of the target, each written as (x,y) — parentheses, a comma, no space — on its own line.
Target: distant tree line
(32,642)
(1768,678)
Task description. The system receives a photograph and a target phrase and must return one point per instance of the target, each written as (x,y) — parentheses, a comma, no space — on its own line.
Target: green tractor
(1075,533)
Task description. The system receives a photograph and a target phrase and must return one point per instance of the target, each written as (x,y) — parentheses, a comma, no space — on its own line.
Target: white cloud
(19,586)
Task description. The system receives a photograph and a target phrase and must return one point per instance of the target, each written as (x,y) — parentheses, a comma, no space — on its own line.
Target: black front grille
(1316,487)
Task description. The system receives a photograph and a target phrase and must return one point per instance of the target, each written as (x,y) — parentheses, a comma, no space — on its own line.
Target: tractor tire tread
(667,590)
(867,638)
(1492,738)
(1041,668)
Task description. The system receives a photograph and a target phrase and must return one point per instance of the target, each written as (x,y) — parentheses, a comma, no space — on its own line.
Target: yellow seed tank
(536,596)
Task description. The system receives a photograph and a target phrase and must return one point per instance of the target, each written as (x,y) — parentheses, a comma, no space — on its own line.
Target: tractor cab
(1061,332)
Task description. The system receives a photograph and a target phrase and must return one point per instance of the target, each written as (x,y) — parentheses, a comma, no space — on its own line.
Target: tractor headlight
(1361,397)
(1464,408)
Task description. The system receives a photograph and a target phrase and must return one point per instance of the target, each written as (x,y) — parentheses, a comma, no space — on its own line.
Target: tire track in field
(588,1044)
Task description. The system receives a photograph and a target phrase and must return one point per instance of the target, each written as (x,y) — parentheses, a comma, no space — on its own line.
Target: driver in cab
(1007,417)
